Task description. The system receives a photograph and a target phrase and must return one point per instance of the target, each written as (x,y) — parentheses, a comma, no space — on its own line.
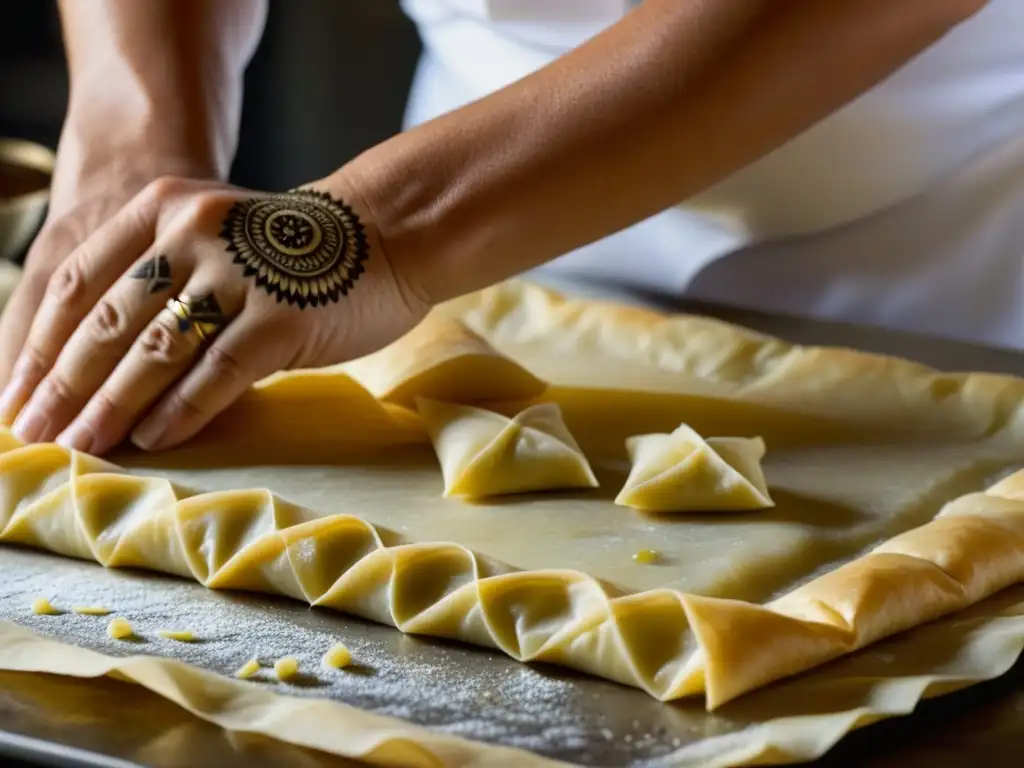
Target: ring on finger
(200,314)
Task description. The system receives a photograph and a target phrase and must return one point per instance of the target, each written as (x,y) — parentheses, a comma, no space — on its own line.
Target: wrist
(345,186)
(419,221)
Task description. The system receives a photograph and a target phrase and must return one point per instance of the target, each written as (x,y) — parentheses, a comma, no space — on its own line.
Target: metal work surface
(446,687)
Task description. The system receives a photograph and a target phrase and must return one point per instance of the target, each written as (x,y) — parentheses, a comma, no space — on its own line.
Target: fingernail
(151,434)
(77,437)
(30,425)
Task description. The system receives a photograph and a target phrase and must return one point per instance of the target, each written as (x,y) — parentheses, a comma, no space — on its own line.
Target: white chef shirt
(904,209)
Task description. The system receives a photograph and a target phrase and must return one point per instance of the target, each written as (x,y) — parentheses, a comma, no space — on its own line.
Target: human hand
(193,291)
(93,180)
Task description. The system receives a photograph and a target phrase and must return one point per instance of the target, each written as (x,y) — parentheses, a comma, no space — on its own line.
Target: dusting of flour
(445,687)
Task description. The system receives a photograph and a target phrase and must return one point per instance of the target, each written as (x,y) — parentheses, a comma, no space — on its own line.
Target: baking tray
(451,688)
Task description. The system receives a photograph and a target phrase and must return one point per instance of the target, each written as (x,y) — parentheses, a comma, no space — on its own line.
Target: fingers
(14,324)
(168,347)
(248,350)
(73,289)
(98,345)
(55,242)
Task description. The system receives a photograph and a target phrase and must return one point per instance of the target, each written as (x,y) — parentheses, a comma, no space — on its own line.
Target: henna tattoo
(304,247)
(157,271)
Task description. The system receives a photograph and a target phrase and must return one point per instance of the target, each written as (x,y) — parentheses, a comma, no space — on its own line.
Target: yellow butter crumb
(91,610)
(119,629)
(647,557)
(286,668)
(43,607)
(181,635)
(337,656)
(247,670)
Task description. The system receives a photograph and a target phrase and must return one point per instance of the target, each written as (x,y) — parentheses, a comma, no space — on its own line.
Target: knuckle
(223,364)
(159,344)
(107,322)
(59,235)
(105,410)
(67,284)
(59,390)
(33,363)
(203,208)
(163,188)
(181,407)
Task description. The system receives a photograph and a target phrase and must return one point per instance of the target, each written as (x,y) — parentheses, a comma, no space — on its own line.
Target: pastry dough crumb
(286,668)
(647,557)
(247,670)
(337,656)
(91,610)
(181,635)
(43,607)
(119,629)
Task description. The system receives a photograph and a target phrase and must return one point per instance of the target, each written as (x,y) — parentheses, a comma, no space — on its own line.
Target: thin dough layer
(666,642)
(483,453)
(442,359)
(683,472)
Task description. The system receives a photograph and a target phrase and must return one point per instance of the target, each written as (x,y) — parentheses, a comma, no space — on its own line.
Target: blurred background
(330,78)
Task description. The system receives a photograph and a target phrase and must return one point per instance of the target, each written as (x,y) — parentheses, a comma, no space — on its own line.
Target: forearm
(670,100)
(165,75)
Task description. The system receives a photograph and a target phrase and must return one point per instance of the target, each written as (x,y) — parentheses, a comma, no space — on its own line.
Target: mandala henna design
(304,247)
(157,271)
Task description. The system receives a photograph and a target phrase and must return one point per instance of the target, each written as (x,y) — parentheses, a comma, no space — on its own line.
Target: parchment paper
(852,460)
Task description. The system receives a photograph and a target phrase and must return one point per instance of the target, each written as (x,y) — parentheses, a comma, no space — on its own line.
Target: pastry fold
(683,472)
(483,453)
(666,642)
(441,359)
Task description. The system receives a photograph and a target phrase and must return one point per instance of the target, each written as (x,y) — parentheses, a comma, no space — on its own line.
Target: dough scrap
(120,629)
(43,607)
(441,359)
(338,656)
(247,670)
(647,556)
(286,668)
(683,472)
(91,610)
(483,453)
(669,643)
(181,635)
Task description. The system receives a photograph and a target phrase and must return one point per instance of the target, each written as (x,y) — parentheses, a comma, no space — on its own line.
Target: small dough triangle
(683,472)
(483,453)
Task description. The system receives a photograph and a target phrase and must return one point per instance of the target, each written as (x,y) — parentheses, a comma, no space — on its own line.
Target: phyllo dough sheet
(891,508)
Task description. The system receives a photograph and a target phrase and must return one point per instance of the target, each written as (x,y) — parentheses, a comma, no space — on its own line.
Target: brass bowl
(24,193)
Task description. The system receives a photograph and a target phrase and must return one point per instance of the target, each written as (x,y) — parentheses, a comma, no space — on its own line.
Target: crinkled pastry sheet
(860,449)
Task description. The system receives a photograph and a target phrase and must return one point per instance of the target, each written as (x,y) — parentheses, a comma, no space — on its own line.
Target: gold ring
(201,314)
